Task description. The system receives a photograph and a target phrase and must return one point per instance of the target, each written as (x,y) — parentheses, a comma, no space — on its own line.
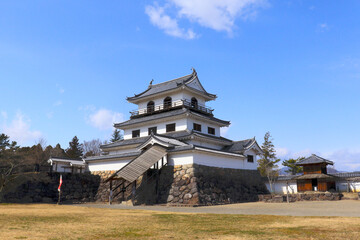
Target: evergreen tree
(268,162)
(116,136)
(75,149)
(57,151)
(9,161)
(293,169)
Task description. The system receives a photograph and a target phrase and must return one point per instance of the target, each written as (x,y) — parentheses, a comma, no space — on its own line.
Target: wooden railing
(170,106)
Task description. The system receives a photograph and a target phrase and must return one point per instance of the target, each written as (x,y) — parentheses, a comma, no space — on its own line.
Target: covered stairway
(136,168)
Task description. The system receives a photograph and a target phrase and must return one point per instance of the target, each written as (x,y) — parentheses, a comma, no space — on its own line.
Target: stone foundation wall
(323,196)
(42,187)
(174,185)
(201,185)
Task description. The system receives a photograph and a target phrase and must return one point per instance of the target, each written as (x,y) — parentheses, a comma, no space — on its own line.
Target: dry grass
(40,221)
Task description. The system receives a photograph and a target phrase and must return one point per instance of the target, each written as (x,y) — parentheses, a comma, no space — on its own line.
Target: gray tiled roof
(168,85)
(168,114)
(313,159)
(141,140)
(107,157)
(240,146)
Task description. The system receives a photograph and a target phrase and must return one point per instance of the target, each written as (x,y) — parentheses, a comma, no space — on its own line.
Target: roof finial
(152,80)
(194,71)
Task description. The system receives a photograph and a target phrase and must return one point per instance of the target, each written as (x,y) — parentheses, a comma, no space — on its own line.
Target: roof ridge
(172,79)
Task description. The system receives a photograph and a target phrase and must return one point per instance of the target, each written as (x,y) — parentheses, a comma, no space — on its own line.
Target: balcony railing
(170,106)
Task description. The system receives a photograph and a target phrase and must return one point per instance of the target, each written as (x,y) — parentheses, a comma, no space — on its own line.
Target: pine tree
(268,162)
(75,149)
(293,169)
(116,136)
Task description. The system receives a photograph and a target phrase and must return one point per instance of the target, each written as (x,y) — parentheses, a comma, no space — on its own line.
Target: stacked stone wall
(173,185)
(42,187)
(202,185)
(316,196)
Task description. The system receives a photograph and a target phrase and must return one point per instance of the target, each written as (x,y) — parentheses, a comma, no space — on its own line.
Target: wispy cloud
(60,88)
(323,27)
(104,119)
(57,103)
(19,129)
(213,14)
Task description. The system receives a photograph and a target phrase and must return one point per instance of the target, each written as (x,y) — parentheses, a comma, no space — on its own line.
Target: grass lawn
(43,221)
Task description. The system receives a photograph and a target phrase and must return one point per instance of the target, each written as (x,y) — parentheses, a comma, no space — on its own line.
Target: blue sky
(288,67)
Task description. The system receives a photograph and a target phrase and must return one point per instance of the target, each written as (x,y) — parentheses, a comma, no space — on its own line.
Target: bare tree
(92,148)
(42,142)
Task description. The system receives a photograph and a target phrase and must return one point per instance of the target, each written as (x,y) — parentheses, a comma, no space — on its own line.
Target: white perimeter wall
(108,166)
(280,187)
(342,186)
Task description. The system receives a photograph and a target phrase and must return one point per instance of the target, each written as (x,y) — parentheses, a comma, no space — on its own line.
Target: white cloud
(19,129)
(213,14)
(344,159)
(166,23)
(224,131)
(104,119)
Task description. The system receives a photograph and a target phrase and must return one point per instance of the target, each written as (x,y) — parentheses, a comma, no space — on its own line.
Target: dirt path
(344,208)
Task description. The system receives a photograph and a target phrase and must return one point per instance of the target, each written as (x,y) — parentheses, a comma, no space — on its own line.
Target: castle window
(136,133)
(250,158)
(194,102)
(197,127)
(211,130)
(150,107)
(170,127)
(152,130)
(167,102)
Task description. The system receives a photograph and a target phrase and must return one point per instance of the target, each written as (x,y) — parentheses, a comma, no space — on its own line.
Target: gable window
(211,130)
(150,107)
(170,127)
(194,102)
(197,127)
(152,130)
(167,103)
(136,133)
(250,158)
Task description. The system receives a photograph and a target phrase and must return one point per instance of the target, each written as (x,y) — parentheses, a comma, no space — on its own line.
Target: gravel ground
(344,208)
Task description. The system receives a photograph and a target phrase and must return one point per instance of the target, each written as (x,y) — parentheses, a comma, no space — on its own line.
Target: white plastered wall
(180,125)
(223,161)
(204,126)
(251,164)
(108,165)
(280,187)
(352,186)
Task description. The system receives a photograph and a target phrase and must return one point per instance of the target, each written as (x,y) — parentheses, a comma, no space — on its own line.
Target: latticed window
(170,127)
(211,130)
(197,127)
(167,102)
(250,158)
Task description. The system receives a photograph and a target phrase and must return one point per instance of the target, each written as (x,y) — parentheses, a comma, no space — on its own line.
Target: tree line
(15,159)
